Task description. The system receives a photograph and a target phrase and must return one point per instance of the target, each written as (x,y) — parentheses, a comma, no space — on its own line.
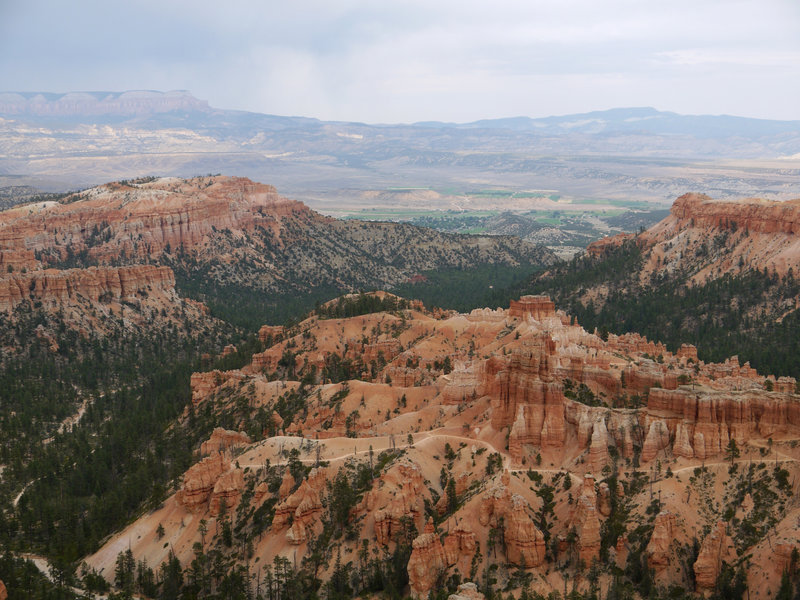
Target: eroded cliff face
(135,221)
(54,288)
(708,238)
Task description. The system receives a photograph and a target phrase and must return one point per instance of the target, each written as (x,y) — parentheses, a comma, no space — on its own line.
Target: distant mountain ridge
(623,119)
(54,141)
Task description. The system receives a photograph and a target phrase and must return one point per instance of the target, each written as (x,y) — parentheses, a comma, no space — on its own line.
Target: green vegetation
(360,304)
(731,315)
(93,477)
(465,289)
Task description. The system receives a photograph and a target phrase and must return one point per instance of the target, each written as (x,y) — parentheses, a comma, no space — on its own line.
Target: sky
(388,61)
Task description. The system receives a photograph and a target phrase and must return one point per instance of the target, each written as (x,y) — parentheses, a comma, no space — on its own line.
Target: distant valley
(57,142)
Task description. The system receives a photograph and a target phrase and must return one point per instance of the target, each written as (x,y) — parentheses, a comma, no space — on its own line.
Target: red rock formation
(682,445)
(3,591)
(586,522)
(204,384)
(525,396)
(525,546)
(467,591)
(604,499)
(603,246)
(260,493)
(782,559)
(141,220)
(426,563)
(753,215)
(200,480)
(227,492)
(223,439)
(524,542)
(96,284)
(271,332)
(287,485)
(598,449)
(537,308)
(702,421)
(716,549)
(464,383)
(459,546)
(659,546)
(396,499)
(657,440)
(302,508)
(688,352)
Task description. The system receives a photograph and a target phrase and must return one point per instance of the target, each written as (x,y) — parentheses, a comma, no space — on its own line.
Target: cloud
(410,60)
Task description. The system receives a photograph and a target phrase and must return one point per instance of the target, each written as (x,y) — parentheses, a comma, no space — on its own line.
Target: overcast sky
(409,60)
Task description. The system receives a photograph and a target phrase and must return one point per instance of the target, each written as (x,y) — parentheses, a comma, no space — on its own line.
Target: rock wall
(524,543)
(699,424)
(427,561)
(659,547)
(200,480)
(97,284)
(141,220)
(753,215)
(526,396)
(223,439)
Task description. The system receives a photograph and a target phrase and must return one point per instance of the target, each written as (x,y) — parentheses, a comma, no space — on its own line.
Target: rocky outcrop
(260,493)
(204,384)
(753,215)
(429,558)
(142,220)
(227,492)
(605,245)
(657,440)
(586,522)
(753,233)
(537,308)
(526,397)
(200,480)
(782,558)
(604,499)
(703,421)
(717,548)
(524,542)
(223,439)
(598,449)
(659,547)
(682,445)
(300,511)
(467,591)
(287,485)
(464,383)
(426,563)
(273,333)
(396,501)
(53,288)
(459,546)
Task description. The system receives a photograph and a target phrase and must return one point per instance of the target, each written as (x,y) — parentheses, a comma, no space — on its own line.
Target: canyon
(377,439)
(509,437)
